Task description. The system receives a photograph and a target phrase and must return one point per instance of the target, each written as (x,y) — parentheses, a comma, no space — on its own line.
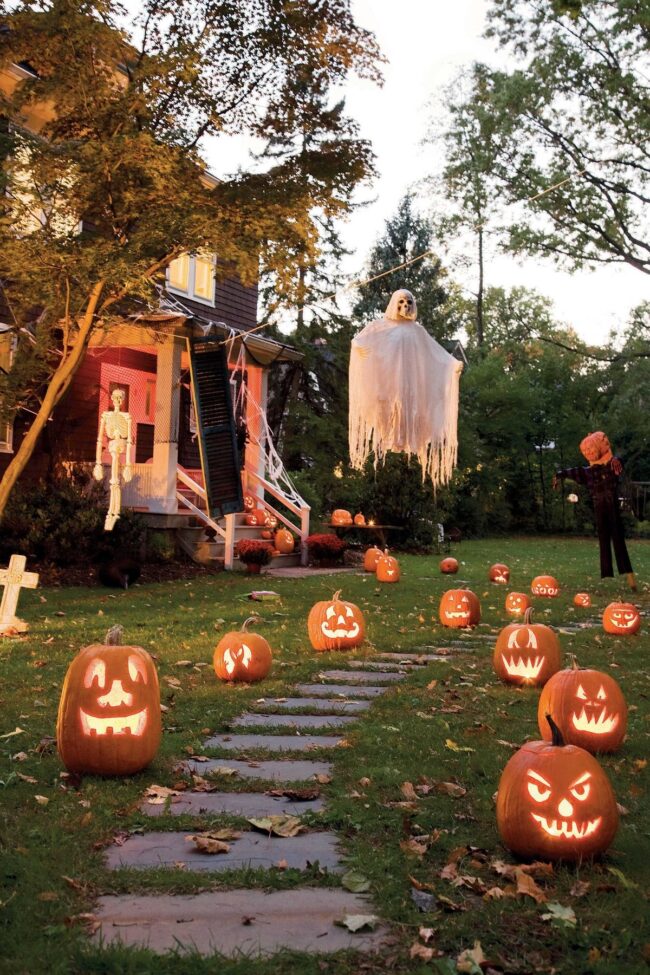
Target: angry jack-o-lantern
(371,558)
(621,619)
(459,608)
(555,802)
(256,517)
(545,586)
(387,569)
(360,520)
(449,566)
(109,713)
(341,517)
(499,573)
(284,541)
(336,625)
(516,603)
(582,599)
(589,707)
(526,653)
(242,656)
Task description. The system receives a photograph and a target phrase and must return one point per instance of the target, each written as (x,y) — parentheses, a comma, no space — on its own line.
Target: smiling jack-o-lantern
(387,569)
(249,502)
(589,707)
(459,608)
(270,520)
(621,619)
(284,541)
(242,656)
(516,603)
(449,566)
(109,713)
(341,517)
(526,653)
(545,586)
(256,517)
(336,625)
(582,599)
(555,802)
(370,559)
(499,573)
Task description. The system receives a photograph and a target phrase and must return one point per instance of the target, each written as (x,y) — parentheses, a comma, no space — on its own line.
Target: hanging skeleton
(117,427)
(403,392)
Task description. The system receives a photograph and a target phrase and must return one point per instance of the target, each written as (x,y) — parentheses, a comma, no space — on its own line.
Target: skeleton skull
(402,306)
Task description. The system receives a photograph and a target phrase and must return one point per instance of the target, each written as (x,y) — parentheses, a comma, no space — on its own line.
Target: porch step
(200,548)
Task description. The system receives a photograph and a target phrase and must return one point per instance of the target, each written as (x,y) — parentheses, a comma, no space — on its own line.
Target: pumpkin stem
(574,662)
(336,595)
(114,636)
(251,619)
(558,740)
(528,616)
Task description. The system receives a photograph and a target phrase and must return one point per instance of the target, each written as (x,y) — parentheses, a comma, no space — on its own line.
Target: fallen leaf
(281,865)
(48,895)
(322,778)
(426,934)
(417,845)
(471,959)
(355,882)
(295,795)
(42,800)
(454,747)
(620,876)
(452,789)
(357,922)
(20,757)
(10,734)
(205,843)
(27,778)
(408,791)
(557,913)
(494,894)
(527,887)
(420,951)
(223,770)
(284,826)
(580,888)
(365,781)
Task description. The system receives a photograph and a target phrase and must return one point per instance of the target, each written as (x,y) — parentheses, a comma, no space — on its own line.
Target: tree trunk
(479,293)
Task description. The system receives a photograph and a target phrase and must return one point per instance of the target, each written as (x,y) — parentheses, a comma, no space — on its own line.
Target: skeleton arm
(98,470)
(127,473)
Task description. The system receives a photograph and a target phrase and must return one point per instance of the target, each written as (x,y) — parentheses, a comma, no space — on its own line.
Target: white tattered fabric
(403,393)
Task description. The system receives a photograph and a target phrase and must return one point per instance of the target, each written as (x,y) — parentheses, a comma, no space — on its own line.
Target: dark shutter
(216,431)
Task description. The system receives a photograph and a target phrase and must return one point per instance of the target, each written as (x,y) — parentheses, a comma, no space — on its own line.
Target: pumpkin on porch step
(284,541)
(255,517)
(242,656)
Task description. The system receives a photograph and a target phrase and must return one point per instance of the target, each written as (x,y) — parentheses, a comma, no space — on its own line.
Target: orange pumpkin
(545,586)
(269,519)
(555,802)
(621,619)
(335,625)
(341,517)
(284,541)
(527,653)
(371,558)
(596,448)
(387,568)
(516,603)
(449,566)
(242,656)
(588,705)
(249,502)
(360,520)
(582,599)
(499,573)
(267,533)
(109,713)
(255,517)
(459,608)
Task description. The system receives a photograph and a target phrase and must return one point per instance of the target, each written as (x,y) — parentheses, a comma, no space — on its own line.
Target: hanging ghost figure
(403,392)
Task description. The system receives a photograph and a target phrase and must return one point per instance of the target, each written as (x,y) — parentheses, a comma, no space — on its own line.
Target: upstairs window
(192,275)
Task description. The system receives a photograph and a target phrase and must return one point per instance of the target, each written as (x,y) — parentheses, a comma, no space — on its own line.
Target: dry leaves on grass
(453,789)
(471,960)
(358,922)
(283,826)
(157,795)
(295,795)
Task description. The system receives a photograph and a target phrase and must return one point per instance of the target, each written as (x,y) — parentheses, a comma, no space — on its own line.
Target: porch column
(165,436)
(258,384)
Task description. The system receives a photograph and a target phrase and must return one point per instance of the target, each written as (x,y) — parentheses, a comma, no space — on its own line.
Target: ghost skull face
(340,622)
(402,306)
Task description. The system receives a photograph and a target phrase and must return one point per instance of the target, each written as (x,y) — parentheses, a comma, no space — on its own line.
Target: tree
(121,114)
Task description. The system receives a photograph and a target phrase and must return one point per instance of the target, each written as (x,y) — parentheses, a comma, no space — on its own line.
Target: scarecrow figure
(601,480)
(117,427)
(403,392)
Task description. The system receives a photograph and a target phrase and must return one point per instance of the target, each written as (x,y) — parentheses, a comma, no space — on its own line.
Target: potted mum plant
(254,554)
(326,550)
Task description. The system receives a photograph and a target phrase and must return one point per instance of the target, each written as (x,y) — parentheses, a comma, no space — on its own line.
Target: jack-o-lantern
(335,625)
(589,707)
(546,586)
(499,573)
(284,541)
(255,517)
(249,502)
(269,519)
(621,619)
(109,713)
(449,566)
(242,656)
(516,603)
(341,517)
(459,608)
(387,568)
(526,653)
(360,520)
(555,802)
(582,599)
(371,558)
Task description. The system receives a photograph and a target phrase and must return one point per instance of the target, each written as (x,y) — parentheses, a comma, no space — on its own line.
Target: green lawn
(451,722)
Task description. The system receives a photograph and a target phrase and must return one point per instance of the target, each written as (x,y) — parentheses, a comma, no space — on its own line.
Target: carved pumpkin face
(109,714)
(621,619)
(371,558)
(284,541)
(526,654)
(459,608)
(387,569)
(449,566)
(499,573)
(255,517)
(582,599)
(242,656)
(596,448)
(589,707)
(336,625)
(517,603)
(269,519)
(249,502)
(360,519)
(546,586)
(341,517)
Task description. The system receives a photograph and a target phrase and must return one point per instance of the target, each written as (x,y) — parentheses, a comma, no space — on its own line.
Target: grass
(51,866)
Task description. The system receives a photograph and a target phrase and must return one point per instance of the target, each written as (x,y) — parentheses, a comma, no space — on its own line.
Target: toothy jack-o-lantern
(242,656)
(516,603)
(335,625)
(589,707)
(255,517)
(371,558)
(526,653)
(545,586)
(360,519)
(555,802)
(387,569)
(449,566)
(109,713)
(582,599)
(284,541)
(499,573)
(269,519)
(341,517)
(459,608)
(621,619)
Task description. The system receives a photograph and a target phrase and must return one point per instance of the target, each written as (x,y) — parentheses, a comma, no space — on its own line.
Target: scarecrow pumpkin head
(109,713)
(242,656)
(555,802)
(582,599)
(341,517)
(526,654)
(284,541)
(387,568)
(371,558)
(255,517)
(449,566)
(621,619)
(596,448)
(517,603)
(335,625)
(459,608)
(499,573)
(588,705)
(360,519)
(545,586)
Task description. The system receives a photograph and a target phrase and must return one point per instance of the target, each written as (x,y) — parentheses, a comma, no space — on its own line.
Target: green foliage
(160,546)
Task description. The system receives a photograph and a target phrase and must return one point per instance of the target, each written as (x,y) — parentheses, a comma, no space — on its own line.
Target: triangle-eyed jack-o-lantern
(459,608)
(526,653)
(335,624)
(589,707)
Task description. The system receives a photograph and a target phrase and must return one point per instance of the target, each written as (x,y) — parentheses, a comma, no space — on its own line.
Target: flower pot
(253,568)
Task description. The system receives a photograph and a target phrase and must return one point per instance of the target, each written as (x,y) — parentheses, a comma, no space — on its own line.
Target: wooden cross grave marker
(14,578)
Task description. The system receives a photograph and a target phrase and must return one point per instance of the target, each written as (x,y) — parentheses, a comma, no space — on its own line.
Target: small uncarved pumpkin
(582,599)
(242,656)
(527,653)
(459,608)
(360,519)
(516,603)
(621,619)
(370,559)
(284,541)
(109,713)
(589,707)
(499,573)
(341,517)
(547,586)
(266,533)
(335,624)
(255,517)
(449,566)
(387,569)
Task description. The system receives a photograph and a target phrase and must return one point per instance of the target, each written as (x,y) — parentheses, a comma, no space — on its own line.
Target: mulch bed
(83,575)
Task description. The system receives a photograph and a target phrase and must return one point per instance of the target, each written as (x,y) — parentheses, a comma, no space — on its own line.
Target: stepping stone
(292,721)
(345,690)
(362,675)
(252,849)
(234,803)
(394,663)
(272,743)
(327,705)
(302,920)
(270,771)
(413,658)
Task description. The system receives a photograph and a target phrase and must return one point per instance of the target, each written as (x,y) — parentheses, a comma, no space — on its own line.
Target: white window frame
(7,429)
(190,291)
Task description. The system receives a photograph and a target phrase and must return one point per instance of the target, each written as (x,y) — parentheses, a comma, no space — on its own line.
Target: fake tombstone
(403,393)
(117,427)
(14,578)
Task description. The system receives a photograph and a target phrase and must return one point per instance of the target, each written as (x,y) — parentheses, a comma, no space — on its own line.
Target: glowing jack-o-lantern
(242,656)
(270,520)
(589,707)
(284,541)
(249,502)
(526,653)
(335,625)
(341,517)
(459,608)
(387,569)
(621,619)
(360,519)
(370,559)
(546,586)
(555,802)
(516,603)
(109,713)
(449,566)
(582,599)
(499,573)
(256,517)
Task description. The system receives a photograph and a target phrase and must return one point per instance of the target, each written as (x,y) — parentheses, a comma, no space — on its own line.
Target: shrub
(253,552)
(326,546)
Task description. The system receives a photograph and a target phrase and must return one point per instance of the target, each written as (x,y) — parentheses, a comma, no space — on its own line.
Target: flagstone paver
(327,705)
(362,676)
(272,743)
(416,658)
(234,804)
(292,721)
(344,690)
(273,771)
